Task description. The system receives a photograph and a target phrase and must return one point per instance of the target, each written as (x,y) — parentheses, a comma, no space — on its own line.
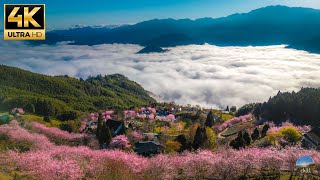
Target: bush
(113,169)
(70,115)
(46,119)
(71,126)
(7,144)
(291,134)
(172,146)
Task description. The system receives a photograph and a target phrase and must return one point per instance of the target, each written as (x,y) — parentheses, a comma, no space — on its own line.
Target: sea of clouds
(203,75)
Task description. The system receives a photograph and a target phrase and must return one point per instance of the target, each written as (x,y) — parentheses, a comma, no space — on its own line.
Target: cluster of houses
(150,145)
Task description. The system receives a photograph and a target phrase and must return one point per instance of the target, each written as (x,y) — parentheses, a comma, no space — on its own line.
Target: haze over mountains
(297,27)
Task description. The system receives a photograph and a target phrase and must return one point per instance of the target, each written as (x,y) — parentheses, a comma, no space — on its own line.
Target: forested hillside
(301,107)
(54,96)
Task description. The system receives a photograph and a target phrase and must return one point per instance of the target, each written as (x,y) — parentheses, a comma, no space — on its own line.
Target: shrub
(120,142)
(291,134)
(8,144)
(172,146)
(46,119)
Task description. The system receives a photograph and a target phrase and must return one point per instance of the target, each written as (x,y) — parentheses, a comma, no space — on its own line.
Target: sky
(304,161)
(64,14)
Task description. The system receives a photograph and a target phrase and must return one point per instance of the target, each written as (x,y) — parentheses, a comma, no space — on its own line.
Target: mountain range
(297,27)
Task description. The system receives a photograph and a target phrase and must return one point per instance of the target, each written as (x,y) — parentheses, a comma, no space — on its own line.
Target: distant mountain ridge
(297,27)
(151,49)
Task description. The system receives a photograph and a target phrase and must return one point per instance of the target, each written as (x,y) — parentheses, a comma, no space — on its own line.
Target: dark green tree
(255,135)
(210,119)
(48,108)
(238,142)
(99,126)
(227,109)
(29,108)
(200,138)
(66,127)
(103,132)
(105,137)
(46,119)
(233,109)
(68,115)
(183,141)
(265,130)
(198,114)
(246,138)
(124,123)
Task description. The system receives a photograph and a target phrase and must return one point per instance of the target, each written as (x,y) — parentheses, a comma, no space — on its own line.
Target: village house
(116,127)
(148,148)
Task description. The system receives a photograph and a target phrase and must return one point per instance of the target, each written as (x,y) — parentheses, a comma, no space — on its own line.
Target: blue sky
(304,161)
(65,13)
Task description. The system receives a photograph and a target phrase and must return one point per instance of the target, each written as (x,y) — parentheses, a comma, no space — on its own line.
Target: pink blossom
(152,110)
(18,111)
(120,142)
(55,133)
(130,114)
(233,121)
(109,112)
(151,116)
(136,136)
(16,132)
(273,128)
(108,117)
(47,160)
(168,118)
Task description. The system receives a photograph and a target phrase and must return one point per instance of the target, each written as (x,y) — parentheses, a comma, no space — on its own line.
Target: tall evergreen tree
(265,130)
(200,138)
(124,123)
(198,114)
(238,142)
(210,119)
(99,126)
(246,138)
(183,141)
(255,135)
(106,136)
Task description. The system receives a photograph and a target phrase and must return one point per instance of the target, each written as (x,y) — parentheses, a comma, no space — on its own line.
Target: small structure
(151,136)
(148,148)
(225,112)
(216,118)
(116,127)
(312,139)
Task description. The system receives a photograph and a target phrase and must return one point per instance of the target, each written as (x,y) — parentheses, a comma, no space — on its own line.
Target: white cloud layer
(206,75)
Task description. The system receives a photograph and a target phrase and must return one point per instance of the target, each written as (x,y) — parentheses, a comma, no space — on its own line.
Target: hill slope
(21,88)
(297,27)
(302,108)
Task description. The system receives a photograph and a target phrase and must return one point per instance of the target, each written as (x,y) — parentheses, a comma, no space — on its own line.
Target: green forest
(64,97)
(301,107)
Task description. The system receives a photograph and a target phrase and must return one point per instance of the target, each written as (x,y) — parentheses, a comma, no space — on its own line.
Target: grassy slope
(19,87)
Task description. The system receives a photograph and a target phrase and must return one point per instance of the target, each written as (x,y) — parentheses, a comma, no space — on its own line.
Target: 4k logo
(24,22)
